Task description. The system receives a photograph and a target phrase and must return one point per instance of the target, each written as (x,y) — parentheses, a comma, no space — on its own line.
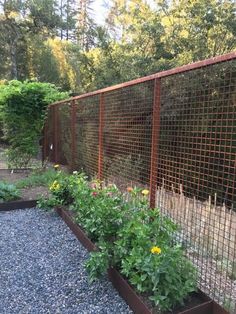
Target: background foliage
(23,106)
(59,41)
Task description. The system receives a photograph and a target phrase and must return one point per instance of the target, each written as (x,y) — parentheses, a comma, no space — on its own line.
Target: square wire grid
(127,134)
(196,171)
(196,152)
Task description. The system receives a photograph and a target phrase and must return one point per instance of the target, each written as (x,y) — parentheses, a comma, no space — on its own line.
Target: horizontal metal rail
(177,70)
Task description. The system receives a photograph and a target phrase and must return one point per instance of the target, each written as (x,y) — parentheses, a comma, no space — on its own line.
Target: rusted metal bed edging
(8,206)
(177,70)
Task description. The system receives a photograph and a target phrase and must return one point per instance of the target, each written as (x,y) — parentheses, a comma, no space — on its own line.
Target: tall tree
(198,29)
(68,12)
(12,32)
(86,27)
(117,18)
(137,39)
(20,21)
(44,16)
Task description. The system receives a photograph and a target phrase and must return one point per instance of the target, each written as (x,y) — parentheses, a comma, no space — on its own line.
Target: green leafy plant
(229,305)
(152,262)
(138,241)
(60,186)
(101,212)
(8,192)
(145,253)
(47,203)
(23,106)
(98,263)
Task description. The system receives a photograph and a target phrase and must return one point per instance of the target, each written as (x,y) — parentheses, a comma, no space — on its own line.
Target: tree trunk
(14,72)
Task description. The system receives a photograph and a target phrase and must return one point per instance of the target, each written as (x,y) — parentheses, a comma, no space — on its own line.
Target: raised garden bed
(199,302)
(16,170)
(17,205)
(26,200)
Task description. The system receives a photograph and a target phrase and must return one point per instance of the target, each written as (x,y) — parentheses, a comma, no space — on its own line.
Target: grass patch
(37,178)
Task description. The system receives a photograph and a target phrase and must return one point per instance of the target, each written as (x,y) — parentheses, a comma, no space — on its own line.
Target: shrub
(23,107)
(8,192)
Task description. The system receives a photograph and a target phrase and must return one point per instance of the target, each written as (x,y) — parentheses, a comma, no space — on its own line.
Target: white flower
(75,172)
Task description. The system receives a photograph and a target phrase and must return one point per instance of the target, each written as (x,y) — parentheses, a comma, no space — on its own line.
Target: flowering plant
(147,255)
(138,241)
(143,249)
(99,209)
(60,191)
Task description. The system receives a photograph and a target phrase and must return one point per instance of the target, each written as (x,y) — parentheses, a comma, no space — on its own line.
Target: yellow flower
(145,192)
(55,186)
(155,250)
(56,166)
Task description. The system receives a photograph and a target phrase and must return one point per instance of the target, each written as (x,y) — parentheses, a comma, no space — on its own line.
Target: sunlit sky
(100,10)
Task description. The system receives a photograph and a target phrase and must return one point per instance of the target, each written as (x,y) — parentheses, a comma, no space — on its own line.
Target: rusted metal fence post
(44,142)
(101,126)
(73,134)
(155,141)
(55,133)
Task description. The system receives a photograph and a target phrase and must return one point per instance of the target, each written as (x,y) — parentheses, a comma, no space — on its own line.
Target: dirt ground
(3,164)
(30,193)
(3,160)
(12,176)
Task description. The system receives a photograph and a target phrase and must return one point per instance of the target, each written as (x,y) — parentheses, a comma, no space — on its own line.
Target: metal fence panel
(64,134)
(174,131)
(87,130)
(127,134)
(196,170)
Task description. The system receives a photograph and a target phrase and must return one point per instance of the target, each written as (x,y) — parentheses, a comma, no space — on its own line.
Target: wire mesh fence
(64,134)
(174,132)
(196,171)
(87,135)
(127,134)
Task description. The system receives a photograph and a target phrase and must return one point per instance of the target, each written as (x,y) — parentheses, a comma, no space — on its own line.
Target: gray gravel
(42,269)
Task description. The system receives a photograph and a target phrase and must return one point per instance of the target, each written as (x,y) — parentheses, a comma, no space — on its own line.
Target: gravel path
(41,269)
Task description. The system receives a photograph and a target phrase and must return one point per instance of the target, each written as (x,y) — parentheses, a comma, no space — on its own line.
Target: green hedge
(22,111)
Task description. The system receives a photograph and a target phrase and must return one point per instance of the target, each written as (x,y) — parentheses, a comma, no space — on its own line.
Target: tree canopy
(58,41)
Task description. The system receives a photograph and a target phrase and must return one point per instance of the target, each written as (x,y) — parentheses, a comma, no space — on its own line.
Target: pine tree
(68,13)
(86,28)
